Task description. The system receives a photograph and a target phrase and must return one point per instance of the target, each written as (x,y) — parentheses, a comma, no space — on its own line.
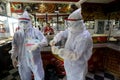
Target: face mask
(75,26)
(24,24)
(68,24)
(71,24)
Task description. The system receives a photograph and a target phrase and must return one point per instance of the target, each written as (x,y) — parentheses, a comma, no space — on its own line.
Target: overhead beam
(45,1)
(112,7)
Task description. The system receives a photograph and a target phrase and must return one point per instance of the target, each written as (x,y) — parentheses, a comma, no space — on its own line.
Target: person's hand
(14,62)
(52,43)
(32,44)
(34,47)
(54,49)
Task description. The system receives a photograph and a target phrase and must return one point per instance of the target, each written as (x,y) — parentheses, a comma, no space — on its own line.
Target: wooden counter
(107,45)
(5,41)
(97,45)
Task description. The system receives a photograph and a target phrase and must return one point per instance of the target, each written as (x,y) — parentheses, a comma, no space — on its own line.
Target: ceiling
(61,1)
(112,5)
(100,1)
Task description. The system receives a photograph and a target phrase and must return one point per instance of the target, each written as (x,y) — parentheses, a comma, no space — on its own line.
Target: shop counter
(105,57)
(5,46)
(97,61)
(97,45)
(4,41)
(107,45)
(99,38)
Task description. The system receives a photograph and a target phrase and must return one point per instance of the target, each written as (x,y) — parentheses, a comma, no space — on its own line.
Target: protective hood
(75,22)
(25,21)
(79,3)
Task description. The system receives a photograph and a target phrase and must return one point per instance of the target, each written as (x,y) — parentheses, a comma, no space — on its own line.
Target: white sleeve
(59,36)
(42,38)
(80,48)
(44,42)
(14,50)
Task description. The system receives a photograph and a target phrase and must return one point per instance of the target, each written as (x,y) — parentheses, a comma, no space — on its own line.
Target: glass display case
(104,30)
(56,21)
(115,30)
(100,26)
(7,26)
(90,25)
(13,25)
(4,30)
(97,30)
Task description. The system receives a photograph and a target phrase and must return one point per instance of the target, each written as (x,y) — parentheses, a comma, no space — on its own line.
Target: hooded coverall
(28,61)
(78,47)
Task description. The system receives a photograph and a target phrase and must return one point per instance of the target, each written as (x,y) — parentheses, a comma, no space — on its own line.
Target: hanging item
(2,8)
(16,7)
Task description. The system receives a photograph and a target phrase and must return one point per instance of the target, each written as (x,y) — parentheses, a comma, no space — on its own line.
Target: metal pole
(57,22)
(46,19)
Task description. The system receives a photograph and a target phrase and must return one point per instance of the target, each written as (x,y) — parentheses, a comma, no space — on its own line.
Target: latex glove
(52,43)
(55,50)
(34,47)
(10,52)
(31,47)
(14,62)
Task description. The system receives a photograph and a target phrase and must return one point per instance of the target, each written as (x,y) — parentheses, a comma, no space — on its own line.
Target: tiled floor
(13,75)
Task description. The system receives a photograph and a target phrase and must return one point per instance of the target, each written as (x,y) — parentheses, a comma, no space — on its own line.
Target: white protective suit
(26,46)
(78,47)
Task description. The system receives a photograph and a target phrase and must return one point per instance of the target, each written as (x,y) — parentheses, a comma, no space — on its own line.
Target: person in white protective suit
(78,47)
(25,53)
